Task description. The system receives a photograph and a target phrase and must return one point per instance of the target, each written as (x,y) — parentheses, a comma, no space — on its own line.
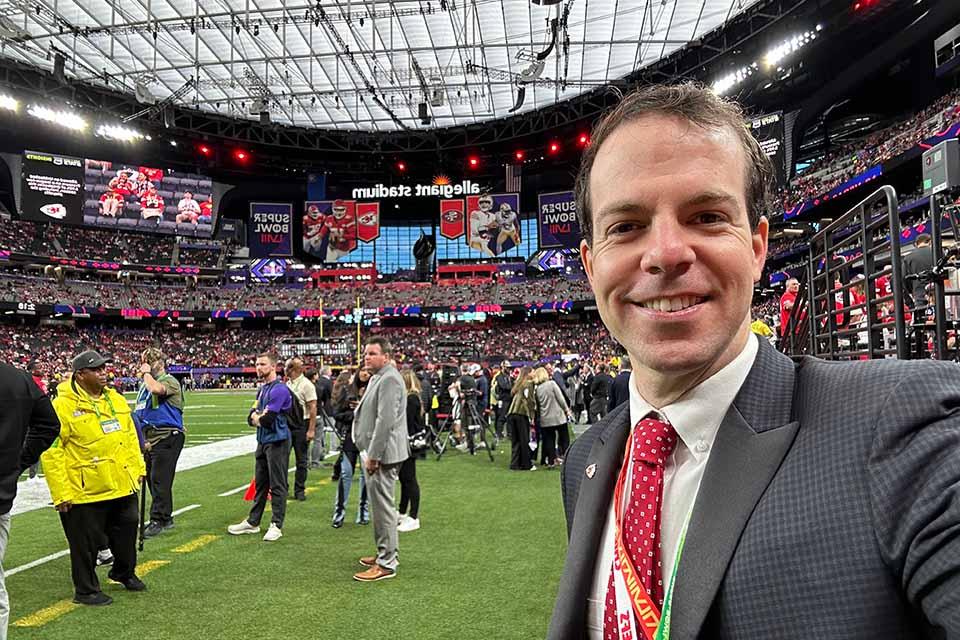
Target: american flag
(512,178)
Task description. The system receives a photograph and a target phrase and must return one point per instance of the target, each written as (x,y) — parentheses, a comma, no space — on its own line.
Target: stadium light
(519,155)
(554,147)
(66,119)
(205,150)
(401,166)
(473,161)
(119,133)
(241,155)
(583,140)
(729,81)
(785,48)
(8,103)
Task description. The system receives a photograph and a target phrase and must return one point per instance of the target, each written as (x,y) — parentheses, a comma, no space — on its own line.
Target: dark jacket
(619,390)
(28,426)
(600,387)
(324,392)
(808,503)
(415,422)
(919,260)
(343,419)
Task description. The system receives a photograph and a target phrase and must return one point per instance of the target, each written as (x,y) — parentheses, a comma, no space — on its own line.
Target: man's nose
(667,247)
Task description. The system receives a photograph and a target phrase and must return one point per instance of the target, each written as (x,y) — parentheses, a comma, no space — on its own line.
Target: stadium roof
(355,65)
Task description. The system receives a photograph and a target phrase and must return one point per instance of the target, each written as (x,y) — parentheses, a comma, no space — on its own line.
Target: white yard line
(237,490)
(37,563)
(36,495)
(185,509)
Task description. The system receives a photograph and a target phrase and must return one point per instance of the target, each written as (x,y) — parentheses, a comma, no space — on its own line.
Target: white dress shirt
(696,418)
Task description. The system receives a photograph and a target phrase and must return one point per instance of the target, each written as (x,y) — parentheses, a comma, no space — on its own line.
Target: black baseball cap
(89,360)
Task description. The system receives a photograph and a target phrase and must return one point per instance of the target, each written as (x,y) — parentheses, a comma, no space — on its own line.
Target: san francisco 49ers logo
(452,216)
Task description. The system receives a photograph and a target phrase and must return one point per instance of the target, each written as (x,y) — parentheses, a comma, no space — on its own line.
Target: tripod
(475,426)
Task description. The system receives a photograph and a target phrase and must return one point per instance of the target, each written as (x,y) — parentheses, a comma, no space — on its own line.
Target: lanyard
(634,606)
(94,404)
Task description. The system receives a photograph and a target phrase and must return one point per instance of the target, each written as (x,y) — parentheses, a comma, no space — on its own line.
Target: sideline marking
(193,545)
(47,614)
(185,509)
(37,563)
(233,491)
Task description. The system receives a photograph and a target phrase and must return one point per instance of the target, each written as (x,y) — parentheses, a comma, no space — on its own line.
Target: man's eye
(623,227)
(708,218)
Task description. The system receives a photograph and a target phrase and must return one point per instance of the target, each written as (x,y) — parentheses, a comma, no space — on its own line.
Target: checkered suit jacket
(829,508)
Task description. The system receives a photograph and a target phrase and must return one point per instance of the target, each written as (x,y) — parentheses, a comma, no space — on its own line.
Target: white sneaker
(104,557)
(403,518)
(273,533)
(242,528)
(410,524)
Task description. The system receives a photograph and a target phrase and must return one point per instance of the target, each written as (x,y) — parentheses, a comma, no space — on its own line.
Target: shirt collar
(696,416)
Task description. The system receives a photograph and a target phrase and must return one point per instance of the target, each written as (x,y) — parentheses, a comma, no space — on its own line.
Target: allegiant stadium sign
(463,188)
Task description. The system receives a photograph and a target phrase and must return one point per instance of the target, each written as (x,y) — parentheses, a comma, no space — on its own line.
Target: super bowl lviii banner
(559,227)
(452,224)
(270,230)
(493,225)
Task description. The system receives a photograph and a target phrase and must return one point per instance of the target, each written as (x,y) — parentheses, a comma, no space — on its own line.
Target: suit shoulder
(877,375)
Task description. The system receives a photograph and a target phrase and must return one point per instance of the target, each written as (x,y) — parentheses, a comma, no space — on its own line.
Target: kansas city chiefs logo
(452,216)
(368,219)
(57,211)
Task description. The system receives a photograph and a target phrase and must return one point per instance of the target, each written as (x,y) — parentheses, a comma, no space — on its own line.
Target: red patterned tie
(653,441)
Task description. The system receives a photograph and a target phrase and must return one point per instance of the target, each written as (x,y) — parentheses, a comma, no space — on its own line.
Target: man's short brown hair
(692,103)
(269,355)
(385,347)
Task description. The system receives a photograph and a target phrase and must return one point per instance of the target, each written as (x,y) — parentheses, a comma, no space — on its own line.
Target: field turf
(485,564)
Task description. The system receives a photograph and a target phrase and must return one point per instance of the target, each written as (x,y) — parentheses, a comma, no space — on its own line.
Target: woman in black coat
(409,487)
(346,395)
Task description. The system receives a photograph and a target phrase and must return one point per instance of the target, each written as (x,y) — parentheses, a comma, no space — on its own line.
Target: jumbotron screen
(113,195)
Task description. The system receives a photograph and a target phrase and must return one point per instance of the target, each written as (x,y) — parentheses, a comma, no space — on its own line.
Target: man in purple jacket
(269,417)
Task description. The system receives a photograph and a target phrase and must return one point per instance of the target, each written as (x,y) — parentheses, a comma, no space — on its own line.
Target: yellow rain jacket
(97,456)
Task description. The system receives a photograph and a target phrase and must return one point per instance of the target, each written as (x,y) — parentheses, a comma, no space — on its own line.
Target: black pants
(409,487)
(564,442)
(519,429)
(598,410)
(271,475)
(548,449)
(86,526)
(301,450)
(500,423)
(161,467)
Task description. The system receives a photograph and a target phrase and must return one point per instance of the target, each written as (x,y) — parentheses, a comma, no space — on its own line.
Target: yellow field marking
(323,482)
(54,611)
(193,545)
(47,614)
(146,567)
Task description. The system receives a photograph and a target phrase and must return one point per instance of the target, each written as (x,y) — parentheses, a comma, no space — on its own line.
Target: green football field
(485,564)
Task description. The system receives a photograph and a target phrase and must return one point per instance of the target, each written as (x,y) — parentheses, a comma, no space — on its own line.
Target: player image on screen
(340,230)
(151,205)
(111,204)
(483,225)
(313,224)
(507,224)
(188,209)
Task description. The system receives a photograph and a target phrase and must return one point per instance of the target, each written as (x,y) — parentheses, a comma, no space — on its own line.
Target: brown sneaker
(369,561)
(374,573)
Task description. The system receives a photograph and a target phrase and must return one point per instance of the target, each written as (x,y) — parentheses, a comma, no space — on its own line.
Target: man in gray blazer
(380,432)
(784,500)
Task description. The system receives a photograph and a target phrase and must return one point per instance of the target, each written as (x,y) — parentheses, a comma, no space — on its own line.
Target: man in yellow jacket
(94,470)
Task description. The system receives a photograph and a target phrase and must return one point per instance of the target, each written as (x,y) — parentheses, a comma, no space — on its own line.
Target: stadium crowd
(17,286)
(50,348)
(126,247)
(855,157)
